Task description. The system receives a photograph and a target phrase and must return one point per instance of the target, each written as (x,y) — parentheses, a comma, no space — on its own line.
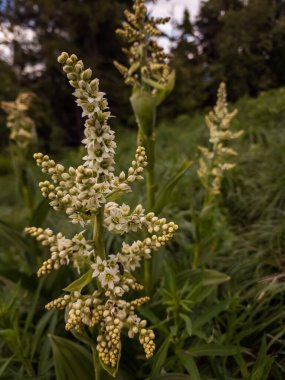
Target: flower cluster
(22,127)
(87,194)
(213,162)
(81,191)
(148,61)
(62,250)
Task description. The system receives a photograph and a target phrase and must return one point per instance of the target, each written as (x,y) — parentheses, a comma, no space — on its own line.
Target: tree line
(241,42)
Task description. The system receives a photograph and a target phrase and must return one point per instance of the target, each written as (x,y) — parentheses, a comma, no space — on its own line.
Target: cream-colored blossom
(148,62)
(84,193)
(22,127)
(213,161)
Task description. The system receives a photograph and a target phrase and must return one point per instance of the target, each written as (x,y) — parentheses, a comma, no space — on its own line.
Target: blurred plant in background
(22,137)
(150,76)
(213,163)
(152,79)
(22,127)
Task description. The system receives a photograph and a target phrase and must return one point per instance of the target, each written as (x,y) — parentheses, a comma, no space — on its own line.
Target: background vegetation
(225,321)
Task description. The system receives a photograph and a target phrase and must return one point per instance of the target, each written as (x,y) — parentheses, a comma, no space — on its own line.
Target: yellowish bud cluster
(138,326)
(81,309)
(131,254)
(122,182)
(147,59)
(213,162)
(146,340)
(139,301)
(62,249)
(22,127)
(109,343)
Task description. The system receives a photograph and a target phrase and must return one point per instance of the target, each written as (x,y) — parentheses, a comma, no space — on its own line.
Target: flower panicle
(22,127)
(148,62)
(83,193)
(213,162)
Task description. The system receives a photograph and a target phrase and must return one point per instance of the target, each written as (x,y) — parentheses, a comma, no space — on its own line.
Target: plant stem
(150,152)
(99,247)
(98,233)
(149,144)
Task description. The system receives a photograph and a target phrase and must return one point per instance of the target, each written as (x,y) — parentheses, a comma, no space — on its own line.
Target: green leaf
(213,349)
(188,323)
(166,190)
(204,276)
(114,195)
(40,213)
(32,309)
(5,365)
(71,361)
(80,283)
(133,68)
(144,109)
(209,313)
(154,84)
(242,366)
(160,357)
(46,325)
(263,364)
(189,364)
(161,94)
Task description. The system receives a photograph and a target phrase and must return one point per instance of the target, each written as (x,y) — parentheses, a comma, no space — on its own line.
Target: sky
(162,8)
(174,9)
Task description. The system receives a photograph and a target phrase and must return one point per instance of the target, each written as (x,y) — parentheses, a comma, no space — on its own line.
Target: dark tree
(84,27)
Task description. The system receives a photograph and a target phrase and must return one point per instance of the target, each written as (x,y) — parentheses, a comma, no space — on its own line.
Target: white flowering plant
(149,73)
(95,305)
(214,162)
(22,138)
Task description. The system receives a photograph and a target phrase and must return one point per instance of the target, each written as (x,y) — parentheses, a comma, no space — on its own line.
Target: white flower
(99,267)
(132,262)
(109,277)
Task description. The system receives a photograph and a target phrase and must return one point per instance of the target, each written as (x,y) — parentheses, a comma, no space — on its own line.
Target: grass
(246,243)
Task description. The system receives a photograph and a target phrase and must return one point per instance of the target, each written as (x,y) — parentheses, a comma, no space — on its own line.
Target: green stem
(99,247)
(150,152)
(98,233)
(149,144)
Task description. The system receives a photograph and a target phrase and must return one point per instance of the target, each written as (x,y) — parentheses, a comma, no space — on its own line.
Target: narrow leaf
(80,283)
(40,213)
(167,188)
(188,323)
(71,361)
(161,94)
(160,357)
(189,364)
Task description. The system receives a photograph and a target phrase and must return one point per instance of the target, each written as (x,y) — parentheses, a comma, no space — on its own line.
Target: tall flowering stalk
(87,195)
(215,160)
(21,126)
(22,135)
(149,75)
(151,79)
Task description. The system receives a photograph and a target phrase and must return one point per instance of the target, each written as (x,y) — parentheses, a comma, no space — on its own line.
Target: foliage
(238,42)
(222,318)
